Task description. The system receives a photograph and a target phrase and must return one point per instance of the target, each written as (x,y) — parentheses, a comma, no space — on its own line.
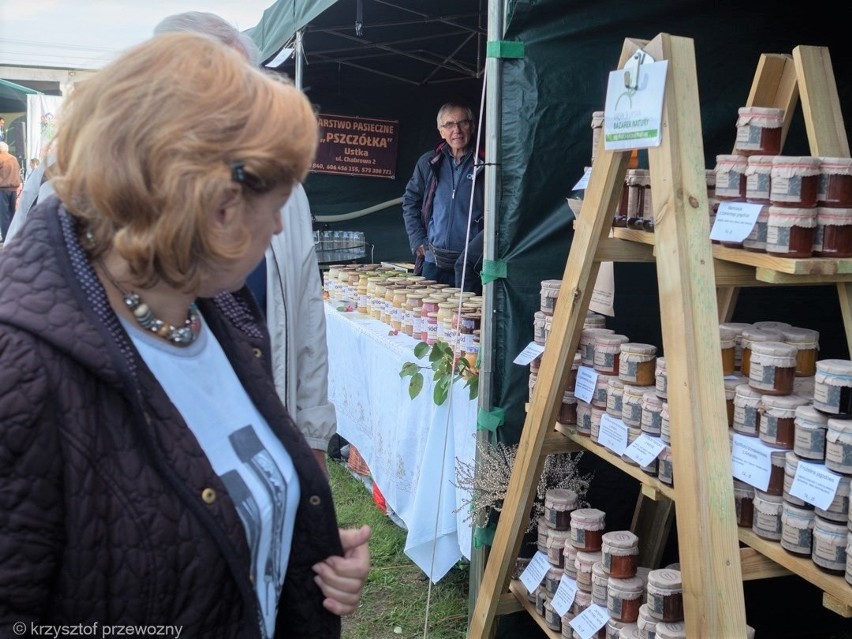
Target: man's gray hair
(4,148)
(214,26)
(449,106)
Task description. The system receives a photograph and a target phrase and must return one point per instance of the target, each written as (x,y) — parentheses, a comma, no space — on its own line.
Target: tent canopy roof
(416,42)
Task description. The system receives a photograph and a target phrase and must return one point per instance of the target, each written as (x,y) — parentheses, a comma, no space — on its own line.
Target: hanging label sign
(588,622)
(633,114)
(613,434)
(365,147)
(645,449)
(751,461)
(815,484)
(734,221)
(530,352)
(535,571)
(584,388)
(565,594)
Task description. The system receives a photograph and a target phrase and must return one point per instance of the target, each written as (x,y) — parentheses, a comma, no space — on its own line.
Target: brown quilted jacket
(109,510)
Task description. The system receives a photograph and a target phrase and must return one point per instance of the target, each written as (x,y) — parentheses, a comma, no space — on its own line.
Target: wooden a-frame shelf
(698,284)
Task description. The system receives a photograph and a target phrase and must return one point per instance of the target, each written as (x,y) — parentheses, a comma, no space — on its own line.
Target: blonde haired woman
(149,474)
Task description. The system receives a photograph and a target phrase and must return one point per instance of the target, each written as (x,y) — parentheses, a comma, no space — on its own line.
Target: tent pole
(299,54)
(493,124)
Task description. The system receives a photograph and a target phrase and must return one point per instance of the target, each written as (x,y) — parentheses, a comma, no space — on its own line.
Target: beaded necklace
(177,335)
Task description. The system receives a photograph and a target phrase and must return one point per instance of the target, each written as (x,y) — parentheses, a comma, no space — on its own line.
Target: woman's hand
(341,579)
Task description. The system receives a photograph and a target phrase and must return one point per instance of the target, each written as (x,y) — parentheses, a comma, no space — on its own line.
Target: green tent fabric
(13,97)
(281,21)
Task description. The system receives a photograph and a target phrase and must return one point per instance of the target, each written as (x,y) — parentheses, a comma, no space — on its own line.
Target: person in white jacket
(296,322)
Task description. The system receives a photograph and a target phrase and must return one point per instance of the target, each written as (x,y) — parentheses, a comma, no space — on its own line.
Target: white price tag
(587,379)
(734,221)
(529,353)
(588,622)
(645,449)
(815,484)
(535,571)
(751,461)
(565,594)
(613,434)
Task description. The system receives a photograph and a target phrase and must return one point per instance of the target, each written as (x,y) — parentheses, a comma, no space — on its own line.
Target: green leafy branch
(446,370)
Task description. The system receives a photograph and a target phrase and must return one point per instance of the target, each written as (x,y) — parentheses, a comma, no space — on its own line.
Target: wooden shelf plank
(738,267)
(634,471)
(834,585)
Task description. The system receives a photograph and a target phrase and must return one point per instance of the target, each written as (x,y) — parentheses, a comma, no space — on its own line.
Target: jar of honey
(759,130)
(608,352)
(829,548)
(665,595)
(731,177)
(637,363)
(638,184)
(743,499)
(795,181)
(549,294)
(587,344)
(660,379)
(777,423)
(833,234)
(767,515)
(614,395)
(747,409)
(631,405)
(620,550)
(758,173)
(750,336)
(772,368)
(790,231)
(559,503)
(584,418)
(587,526)
(838,445)
(728,345)
(652,414)
(835,182)
(623,598)
(833,387)
(811,427)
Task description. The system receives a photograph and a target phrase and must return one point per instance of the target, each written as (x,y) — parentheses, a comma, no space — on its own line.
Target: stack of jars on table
(410,304)
(806,202)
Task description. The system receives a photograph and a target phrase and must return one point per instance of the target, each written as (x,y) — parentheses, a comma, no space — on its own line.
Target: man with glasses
(437,201)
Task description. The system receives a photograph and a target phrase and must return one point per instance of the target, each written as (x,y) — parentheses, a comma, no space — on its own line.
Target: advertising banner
(364,147)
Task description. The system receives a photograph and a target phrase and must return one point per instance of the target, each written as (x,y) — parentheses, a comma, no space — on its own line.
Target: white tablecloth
(411,446)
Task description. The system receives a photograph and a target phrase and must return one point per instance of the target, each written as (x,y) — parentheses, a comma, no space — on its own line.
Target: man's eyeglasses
(461,124)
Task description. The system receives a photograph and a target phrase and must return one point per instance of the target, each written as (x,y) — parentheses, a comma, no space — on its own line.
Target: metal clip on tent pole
(631,69)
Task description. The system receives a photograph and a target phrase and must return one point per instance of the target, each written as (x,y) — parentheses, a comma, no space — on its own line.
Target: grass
(395,596)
